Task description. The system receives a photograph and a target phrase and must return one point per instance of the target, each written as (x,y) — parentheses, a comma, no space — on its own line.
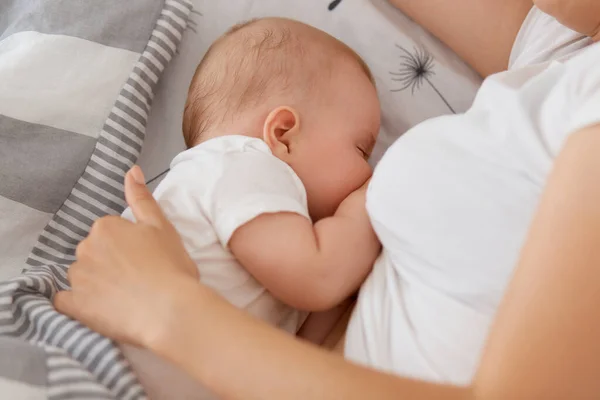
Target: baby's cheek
(362,173)
(354,179)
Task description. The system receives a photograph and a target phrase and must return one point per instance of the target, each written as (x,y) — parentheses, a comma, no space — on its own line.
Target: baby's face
(332,157)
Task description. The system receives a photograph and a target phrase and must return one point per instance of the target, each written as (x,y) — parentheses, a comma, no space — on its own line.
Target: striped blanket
(77,79)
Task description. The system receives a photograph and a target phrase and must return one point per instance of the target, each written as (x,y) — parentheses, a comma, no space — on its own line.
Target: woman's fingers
(127,271)
(63,302)
(144,207)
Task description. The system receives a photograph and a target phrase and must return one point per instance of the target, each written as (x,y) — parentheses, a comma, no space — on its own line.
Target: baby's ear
(281,128)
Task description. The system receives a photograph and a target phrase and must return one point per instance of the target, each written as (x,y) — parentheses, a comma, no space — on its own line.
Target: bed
(90,87)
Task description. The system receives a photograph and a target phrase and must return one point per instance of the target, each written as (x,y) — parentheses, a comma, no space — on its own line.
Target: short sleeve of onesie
(253,183)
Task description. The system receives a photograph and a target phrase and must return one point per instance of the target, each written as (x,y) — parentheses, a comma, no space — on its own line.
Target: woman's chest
(453,214)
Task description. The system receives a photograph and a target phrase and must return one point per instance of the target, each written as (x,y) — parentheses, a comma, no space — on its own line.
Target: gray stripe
(63,332)
(51,339)
(141,90)
(145,77)
(40,272)
(103,373)
(16,307)
(172,22)
(20,297)
(127,385)
(34,263)
(81,395)
(150,65)
(43,255)
(104,357)
(30,334)
(95,182)
(74,379)
(113,161)
(69,226)
(156,55)
(95,362)
(38,283)
(24,329)
(131,112)
(69,334)
(167,33)
(60,272)
(97,341)
(117,149)
(162,44)
(115,23)
(53,232)
(58,247)
(64,367)
(97,196)
(177,12)
(33,154)
(22,362)
(41,328)
(114,379)
(126,125)
(71,212)
(106,172)
(132,98)
(110,131)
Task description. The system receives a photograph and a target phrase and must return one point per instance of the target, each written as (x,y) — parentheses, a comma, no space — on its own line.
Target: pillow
(417,77)
(77,79)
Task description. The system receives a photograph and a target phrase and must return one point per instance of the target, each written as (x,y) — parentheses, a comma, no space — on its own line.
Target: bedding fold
(73,113)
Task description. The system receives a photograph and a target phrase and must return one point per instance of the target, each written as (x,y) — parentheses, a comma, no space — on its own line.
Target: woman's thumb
(144,207)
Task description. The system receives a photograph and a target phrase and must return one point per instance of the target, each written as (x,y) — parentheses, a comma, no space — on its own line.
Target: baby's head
(307,95)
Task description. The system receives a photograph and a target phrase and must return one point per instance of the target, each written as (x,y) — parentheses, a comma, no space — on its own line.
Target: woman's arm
(481,32)
(327,328)
(546,339)
(240,358)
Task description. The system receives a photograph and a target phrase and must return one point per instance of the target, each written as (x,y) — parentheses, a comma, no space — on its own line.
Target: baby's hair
(243,69)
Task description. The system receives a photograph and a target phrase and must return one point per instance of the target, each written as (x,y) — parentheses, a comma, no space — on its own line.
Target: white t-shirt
(213,189)
(451,202)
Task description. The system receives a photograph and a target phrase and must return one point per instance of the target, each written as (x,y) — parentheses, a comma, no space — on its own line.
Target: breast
(452,210)
(452,213)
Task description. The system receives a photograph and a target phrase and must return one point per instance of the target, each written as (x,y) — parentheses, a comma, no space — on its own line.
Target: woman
(452,202)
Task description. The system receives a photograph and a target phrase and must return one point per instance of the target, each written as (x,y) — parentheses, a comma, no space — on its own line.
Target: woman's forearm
(481,32)
(243,358)
(545,343)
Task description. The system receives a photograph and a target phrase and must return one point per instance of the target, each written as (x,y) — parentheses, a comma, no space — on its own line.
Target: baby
(269,199)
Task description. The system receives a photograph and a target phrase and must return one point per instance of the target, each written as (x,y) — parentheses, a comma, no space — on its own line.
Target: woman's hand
(128,276)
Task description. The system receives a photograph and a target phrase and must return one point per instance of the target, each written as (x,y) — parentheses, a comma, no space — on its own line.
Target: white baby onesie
(213,189)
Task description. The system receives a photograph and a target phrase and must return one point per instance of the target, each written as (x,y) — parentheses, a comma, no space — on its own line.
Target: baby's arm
(310,267)
(582,16)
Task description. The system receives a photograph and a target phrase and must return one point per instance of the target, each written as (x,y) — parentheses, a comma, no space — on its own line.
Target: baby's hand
(355,202)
